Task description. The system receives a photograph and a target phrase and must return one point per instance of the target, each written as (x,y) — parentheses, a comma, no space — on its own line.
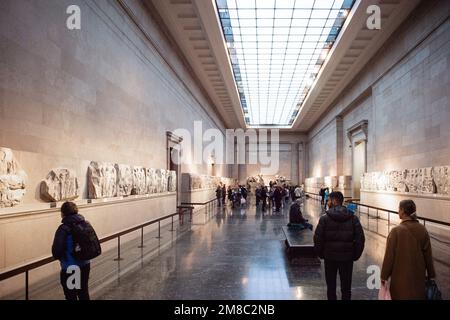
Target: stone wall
(107,92)
(403,93)
(101,93)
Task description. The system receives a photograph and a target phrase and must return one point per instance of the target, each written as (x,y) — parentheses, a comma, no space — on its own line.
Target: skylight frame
(275,65)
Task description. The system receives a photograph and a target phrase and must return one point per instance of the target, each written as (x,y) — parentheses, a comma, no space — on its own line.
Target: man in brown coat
(408,259)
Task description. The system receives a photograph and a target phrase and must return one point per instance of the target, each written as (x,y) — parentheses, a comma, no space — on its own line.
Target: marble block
(12,179)
(124,180)
(139,181)
(172,181)
(102,180)
(61,184)
(151,180)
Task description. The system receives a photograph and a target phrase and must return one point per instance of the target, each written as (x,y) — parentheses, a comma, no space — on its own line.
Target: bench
(300,243)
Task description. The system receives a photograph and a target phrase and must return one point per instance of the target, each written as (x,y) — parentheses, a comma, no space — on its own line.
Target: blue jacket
(63,244)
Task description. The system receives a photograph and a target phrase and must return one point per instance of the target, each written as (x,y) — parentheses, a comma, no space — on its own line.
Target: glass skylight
(277,48)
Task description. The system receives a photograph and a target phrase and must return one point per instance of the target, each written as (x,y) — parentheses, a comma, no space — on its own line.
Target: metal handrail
(358,203)
(47,260)
(198,203)
(318,195)
(207,205)
(447,224)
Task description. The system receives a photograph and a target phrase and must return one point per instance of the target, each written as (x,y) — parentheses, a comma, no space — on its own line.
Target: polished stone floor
(240,254)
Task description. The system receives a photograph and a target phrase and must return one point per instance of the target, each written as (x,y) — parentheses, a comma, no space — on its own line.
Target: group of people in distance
(237,195)
(274,194)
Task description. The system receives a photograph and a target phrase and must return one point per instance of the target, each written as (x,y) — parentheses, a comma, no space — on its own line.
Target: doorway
(173,159)
(359,166)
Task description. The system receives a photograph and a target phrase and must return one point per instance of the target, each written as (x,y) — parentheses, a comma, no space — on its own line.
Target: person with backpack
(408,261)
(74,245)
(339,240)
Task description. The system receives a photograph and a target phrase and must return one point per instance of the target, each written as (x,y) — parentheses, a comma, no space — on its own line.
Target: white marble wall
(404,95)
(29,236)
(102,93)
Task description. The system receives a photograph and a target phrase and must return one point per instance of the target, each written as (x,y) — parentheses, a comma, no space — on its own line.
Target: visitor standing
(74,245)
(224,194)
(408,261)
(219,195)
(339,240)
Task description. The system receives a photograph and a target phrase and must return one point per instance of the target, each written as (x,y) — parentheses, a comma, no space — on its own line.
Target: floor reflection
(240,254)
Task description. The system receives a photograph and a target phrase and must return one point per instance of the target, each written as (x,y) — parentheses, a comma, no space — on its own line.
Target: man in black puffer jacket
(339,240)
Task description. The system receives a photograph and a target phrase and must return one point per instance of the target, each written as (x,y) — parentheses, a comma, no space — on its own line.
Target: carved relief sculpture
(172,181)
(124,180)
(159,180)
(60,185)
(164,180)
(12,179)
(102,180)
(151,181)
(442,180)
(431,180)
(139,182)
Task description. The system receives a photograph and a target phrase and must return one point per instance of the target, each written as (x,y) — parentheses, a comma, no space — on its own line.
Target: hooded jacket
(63,244)
(339,236)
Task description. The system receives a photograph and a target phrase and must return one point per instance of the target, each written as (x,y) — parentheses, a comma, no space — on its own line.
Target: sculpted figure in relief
(60,185)
(102,180)
(12,179)
(442,179)
(172,181)
(151,180)
(124,180)
(139,182)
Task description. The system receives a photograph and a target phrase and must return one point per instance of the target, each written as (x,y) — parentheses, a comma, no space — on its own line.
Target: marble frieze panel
(61,184)
(12,179)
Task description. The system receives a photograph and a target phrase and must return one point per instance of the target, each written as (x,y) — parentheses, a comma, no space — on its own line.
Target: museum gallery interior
(188,134)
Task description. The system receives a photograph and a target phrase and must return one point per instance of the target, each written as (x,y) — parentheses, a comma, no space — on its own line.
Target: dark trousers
(77,294)
(345,270)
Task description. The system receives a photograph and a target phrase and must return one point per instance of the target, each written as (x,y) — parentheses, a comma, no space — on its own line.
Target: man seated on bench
(296,217)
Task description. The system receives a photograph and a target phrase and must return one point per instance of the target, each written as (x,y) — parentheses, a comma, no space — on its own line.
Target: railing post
(180,216)
(389,221)
(142,238)
(172,230)
(118,250)
(27,297)
(159,230)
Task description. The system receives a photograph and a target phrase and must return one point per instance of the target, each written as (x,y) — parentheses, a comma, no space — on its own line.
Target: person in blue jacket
(62,250)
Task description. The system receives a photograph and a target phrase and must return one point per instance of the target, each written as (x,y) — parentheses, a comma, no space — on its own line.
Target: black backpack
(86,243)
